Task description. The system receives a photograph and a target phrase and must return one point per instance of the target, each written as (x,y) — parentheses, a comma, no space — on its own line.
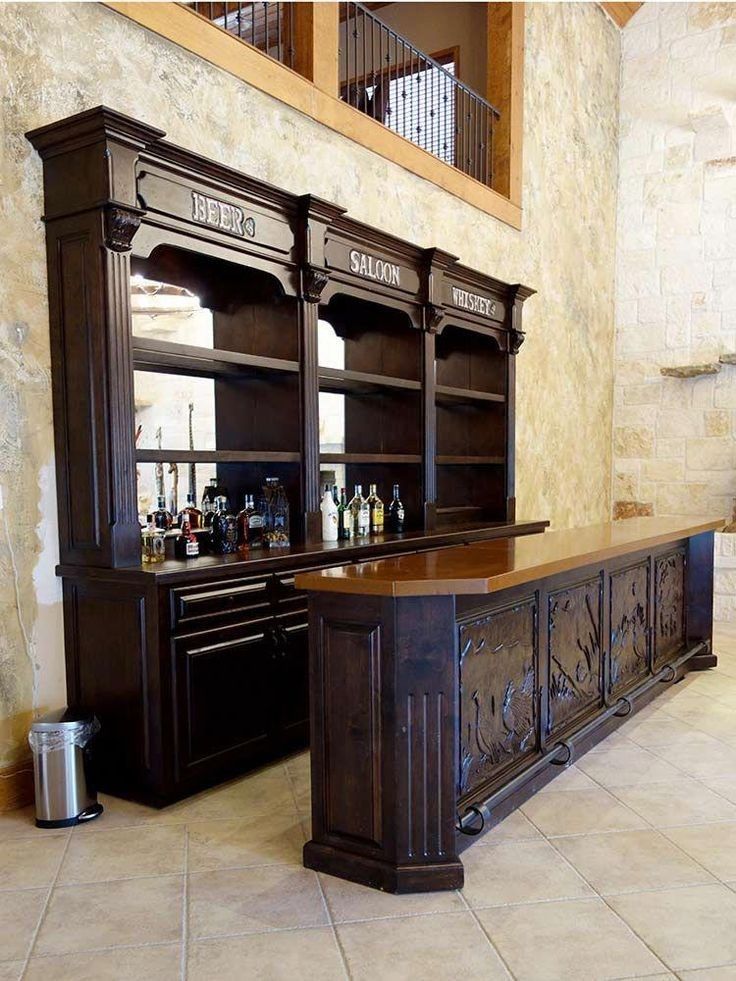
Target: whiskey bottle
(360,513)
(244,525)
(224,529)
(161,516)
(395,516)
(329,516)
(191,513)
(278,513)
(376,511)
(186,545)
(152,543)
(209,495)
(255,523)
(344,522)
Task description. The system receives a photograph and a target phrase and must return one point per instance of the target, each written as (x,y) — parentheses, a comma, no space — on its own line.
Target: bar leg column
(699,599)
(384,703)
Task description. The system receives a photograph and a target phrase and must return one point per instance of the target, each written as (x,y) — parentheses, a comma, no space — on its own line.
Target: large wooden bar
(447,687)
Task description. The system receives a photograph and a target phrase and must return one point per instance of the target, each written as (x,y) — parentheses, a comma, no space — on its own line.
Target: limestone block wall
(60,58)
(673,440)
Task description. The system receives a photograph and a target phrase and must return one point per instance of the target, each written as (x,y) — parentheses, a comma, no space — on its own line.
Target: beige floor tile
(713,845)
(519,872)
(685,801)
(349,901)
(442,947)
(626,767)
(19,916)
(686,928)
(119,813)
(571,778)
(613,740)
(724,788)
(30,863)
(233,844)
(159,963)
(515,827)
(306,955)
(233,901)
(657,730)
(703,757)
(689,708)
(630,861)
(257,795)
(565,941)
(124,853)
(580,812)
(22,824)
(12,970)
(725,973)
(125,911)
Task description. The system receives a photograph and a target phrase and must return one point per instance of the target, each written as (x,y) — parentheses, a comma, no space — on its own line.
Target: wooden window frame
(312,88)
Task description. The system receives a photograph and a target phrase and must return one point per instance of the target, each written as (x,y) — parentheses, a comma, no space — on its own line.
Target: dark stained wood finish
(542,665)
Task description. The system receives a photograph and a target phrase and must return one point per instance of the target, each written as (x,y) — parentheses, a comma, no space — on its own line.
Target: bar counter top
(489,566)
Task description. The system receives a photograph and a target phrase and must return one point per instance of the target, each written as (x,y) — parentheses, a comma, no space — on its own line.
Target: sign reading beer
(370,267)
(473,302)
(219,214)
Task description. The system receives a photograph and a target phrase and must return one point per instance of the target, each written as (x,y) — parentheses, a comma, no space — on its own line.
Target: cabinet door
(223,699)
(291,691)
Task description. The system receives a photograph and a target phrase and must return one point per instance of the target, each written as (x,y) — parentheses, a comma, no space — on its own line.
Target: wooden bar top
(487,567)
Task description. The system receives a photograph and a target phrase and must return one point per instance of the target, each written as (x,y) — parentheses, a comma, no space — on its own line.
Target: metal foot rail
(563,752)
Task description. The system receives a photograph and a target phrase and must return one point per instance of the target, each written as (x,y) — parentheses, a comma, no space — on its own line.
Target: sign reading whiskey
(473,302)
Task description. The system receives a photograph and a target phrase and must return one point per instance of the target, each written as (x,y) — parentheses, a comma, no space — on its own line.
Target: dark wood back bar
(198,670)
(447,687)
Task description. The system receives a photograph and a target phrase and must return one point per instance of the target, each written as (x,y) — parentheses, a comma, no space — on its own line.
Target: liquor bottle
(209,496)
(255,524)
(335,495)
(190,513)
(224,529)
(152,543)
(395,518)
(360,513)
(344,518)
(186,545)
(161,517)
(278,514)
(376,511)
(244,525)
(329,516)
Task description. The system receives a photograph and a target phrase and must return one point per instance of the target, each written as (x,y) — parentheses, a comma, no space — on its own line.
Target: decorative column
(516,296)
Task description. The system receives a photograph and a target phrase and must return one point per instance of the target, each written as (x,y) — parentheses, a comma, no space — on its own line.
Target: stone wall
(676,268)
(57,59)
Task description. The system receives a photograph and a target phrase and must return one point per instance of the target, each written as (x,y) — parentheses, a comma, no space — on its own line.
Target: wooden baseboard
(16,786)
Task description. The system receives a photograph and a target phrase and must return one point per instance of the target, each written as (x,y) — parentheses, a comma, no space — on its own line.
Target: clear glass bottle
(209,496)
(186,545)
(344,522)
(375,505)
(244,517)
(278,531)
(329,516)
(395,515)
(191,513)
(152,543)
(162,516)
(360,513)
(224,529)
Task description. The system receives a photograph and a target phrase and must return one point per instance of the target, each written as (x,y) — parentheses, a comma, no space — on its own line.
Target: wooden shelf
(215,456)
(460,461)
(369,458)
(362,382)
(446,394)
(154,355)
(465,510)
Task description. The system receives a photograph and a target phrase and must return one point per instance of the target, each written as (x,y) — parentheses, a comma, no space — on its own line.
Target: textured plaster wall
(56,59)
(676,270)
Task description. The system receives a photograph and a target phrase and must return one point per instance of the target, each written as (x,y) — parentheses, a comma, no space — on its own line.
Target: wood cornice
(621,13)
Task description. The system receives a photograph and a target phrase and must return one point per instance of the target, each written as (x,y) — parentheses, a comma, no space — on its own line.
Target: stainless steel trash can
(61,744)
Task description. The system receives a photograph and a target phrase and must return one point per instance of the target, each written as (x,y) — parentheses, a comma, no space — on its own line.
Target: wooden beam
(621,13)
(505,90)
(181,25)
(316,39)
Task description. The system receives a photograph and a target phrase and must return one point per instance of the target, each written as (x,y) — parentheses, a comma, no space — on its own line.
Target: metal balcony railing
(267,26)
(385,76)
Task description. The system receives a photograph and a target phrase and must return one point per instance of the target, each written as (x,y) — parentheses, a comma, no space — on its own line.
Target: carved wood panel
(669,606)
(574,652)
(498,692)
(629,626)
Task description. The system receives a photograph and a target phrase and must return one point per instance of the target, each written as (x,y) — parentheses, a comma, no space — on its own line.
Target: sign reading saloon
(473,302)
(370,267)
(219,214)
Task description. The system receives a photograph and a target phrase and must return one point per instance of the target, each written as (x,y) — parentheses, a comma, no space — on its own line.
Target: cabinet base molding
(382,875)
(16,786)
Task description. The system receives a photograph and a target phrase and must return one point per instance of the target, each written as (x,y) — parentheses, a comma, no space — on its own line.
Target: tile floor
(624,866)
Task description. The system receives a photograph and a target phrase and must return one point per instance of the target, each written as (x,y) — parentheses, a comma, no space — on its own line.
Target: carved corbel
(517,295)
(314,280)
(434,314)
(516,339)
(121,224)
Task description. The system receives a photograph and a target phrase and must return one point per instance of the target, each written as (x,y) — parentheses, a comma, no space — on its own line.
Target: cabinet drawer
(202,607)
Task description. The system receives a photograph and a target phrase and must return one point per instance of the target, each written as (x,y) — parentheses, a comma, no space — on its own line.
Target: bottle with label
(395,516)
(224,529)
(255,523)
(344,522)
(278,530)
(152,543)
(191,513)
(375,505)
(244,525)
(329,516)
(209,495)
(186,545)
(162,516)
(360,513)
